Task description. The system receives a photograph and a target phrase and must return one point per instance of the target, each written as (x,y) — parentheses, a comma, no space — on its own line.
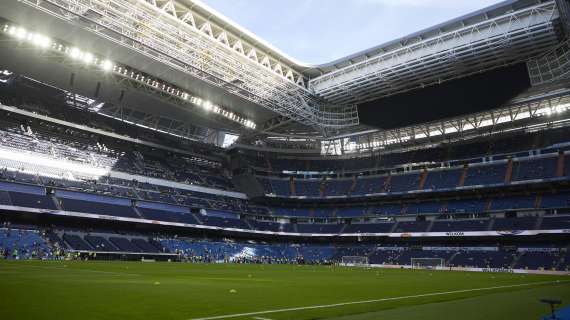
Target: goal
(355,260)
(427,263)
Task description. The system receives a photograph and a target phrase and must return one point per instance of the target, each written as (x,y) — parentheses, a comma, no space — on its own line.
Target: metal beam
(510,117)
(552,66)
(159,30)
(509,38)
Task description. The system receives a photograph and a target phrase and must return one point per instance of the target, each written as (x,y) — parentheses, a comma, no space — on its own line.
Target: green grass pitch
(135,290)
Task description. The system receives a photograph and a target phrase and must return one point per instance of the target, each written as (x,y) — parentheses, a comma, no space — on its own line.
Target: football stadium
(160,161)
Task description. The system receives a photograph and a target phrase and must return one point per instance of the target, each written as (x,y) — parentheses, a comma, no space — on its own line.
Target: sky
(319,31)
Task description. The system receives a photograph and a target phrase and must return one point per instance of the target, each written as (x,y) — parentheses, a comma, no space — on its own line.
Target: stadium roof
(190,45)
(315,70)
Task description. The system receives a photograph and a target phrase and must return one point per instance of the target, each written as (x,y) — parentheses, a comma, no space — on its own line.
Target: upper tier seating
(513,202)
(338,187)
(488,174)
(369,185)
(96,204)
(309,188)
(319,228)
(513,143)
(541,168)
(412,226)
(555,222)
(526,223)
(404,182)
(459,225)
(76,146)
(465,206)
(384,227)
(443,179)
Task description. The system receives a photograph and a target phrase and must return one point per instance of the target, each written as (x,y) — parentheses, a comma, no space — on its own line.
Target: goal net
(355,260)
(427,263)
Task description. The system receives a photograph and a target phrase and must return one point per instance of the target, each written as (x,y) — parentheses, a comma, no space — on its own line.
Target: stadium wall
(493,270)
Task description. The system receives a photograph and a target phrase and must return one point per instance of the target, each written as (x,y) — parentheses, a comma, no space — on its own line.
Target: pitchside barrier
(125,256)
(495,270)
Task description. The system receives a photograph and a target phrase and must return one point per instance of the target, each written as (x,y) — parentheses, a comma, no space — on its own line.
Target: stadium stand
(59,162)
(21,242)
(161,131)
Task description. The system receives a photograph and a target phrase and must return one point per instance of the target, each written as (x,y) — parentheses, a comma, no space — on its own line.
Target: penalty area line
(333,305)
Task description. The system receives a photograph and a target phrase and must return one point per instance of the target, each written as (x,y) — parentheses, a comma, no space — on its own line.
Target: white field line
(261,318)
(324,306)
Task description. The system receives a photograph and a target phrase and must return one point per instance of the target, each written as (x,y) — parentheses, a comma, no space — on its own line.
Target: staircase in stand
(509,172)
(538,201)
(463,176)
(248,224)
(448,262)
(323,188)
(197,218)
(491,224)
(137,212)
(394,227)
(560,166)
(423,177)
(386,185)
(56,202)
(430,225)
(538,222)
(516,259)
(353,186)
(292,185)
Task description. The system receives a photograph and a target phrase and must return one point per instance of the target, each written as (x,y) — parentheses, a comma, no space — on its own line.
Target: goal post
(355,260)
(427,263)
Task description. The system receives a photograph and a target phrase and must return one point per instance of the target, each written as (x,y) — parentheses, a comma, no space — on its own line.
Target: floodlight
(40,40)
(21,33)
(75,53)
(107,65)
(87,58)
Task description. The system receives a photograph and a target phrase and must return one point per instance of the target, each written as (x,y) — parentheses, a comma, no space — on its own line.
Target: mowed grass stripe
(169,291)
(341,304)
(14,267)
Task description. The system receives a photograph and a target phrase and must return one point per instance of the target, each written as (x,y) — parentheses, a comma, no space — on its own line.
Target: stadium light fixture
(75,53)
(41,40)
(87,58)
(21,33)
(107,65)
(24,35)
